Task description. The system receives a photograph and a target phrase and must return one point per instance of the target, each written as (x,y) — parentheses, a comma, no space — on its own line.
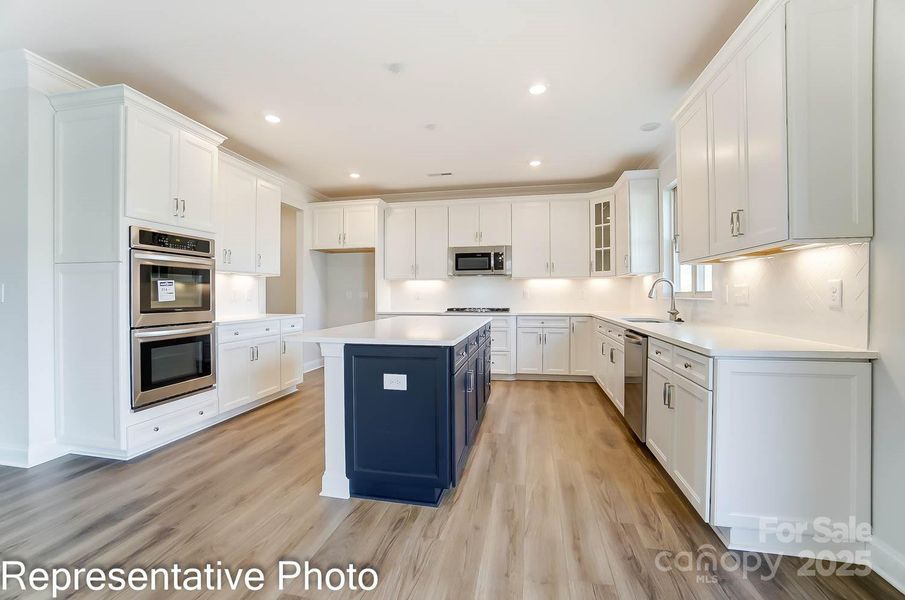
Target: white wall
(282,290)
(887,327)
(240,295)
(349,288)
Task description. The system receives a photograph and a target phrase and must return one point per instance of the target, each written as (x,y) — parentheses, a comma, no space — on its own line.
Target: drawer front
(660,351)
(499,339)
(547,322)
(291,325)
(167,427)
(500,324)
(600,326)
(500,362)
(694,366)
(244,331)
(614,332)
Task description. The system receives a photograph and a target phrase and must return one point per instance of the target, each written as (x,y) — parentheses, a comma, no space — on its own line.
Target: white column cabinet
(569,242)
(726,184)
(582,358)
(530,239)
(348,225)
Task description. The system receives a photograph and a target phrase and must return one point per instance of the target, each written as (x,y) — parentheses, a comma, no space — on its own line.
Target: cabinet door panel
(529,351)
(359,226)
(399,245)
(602,238)
(197,178)
(267,228)
(692,408)
(762,67)
(600,360)
(234,369)
(556,351)
(694,182)
(431,247)
(726,193)
(460,417)
(531,239)
(236,200)
(660,419)
(495,220)
(266,368)
(582,357)
(569,243)
(623,236)
(327,227)
(617,367)
(291,367)
(152,145)
(463,225)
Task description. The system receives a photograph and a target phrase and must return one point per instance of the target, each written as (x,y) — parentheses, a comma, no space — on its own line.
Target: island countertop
(425,330)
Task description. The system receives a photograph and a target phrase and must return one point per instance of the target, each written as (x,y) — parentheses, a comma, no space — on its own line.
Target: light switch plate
(395,381)
(834,293)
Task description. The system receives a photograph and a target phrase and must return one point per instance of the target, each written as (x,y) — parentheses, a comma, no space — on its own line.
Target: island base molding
(334,483)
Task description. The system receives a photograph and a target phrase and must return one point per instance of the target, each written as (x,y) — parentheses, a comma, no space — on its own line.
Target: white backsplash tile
(239,295)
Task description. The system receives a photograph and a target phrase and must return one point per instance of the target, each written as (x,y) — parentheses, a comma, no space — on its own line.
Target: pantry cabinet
(782,168)
(550,239)
(637,210)
(480,224)
(248,216)
(415,242)
(350,225)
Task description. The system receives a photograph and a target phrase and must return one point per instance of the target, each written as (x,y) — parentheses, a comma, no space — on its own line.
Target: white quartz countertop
(266,317)
(709,340)
(423,330)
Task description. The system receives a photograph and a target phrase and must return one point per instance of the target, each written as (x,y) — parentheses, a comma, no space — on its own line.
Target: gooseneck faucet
(673,313)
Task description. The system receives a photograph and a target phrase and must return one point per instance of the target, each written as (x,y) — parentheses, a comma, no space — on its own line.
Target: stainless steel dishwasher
(635,371)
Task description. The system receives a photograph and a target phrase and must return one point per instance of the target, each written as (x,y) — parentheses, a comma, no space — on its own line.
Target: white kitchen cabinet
(602,234)
(480,224)
(660,418)
(637,210)
(399,246)
(265,375)
(582,358)
(267,228)
(350,225)
(530,239)
(234,384)
(248,209)
(556,349)
(530,353)
(569,242)
(617,375)
(784,169)
(599,355)
(415,244)
(291,363)
(692,163)
(170,173)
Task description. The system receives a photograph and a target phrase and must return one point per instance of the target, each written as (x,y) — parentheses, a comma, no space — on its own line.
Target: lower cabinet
(679,426)
(543,350)
(581,359)
(291,363)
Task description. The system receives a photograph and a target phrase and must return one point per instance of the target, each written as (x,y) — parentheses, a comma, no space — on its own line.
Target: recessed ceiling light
(537,89)
(354,175)
(534,163)
(652,126)
(271,118)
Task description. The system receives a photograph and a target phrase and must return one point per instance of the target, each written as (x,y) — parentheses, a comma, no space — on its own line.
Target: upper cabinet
(637,211)
(118,152)
(480,224)
(550,238)
(764,160)
(350,225)
(602,234)
(248,218)
(416,242)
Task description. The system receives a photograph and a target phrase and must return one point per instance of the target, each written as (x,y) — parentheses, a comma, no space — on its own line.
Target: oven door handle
(173,332)
(172,258)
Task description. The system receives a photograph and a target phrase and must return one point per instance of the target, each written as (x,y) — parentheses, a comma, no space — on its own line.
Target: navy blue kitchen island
(414,393)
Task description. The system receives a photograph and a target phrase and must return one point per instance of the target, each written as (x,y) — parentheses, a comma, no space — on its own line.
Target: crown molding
(482,192)
(21,68)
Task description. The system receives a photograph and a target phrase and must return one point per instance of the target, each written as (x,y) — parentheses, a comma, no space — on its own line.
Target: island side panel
(334,483)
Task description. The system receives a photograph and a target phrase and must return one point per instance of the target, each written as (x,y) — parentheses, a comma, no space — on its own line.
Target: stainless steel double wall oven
(172,310)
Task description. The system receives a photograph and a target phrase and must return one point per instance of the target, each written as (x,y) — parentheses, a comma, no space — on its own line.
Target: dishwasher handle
(633,338)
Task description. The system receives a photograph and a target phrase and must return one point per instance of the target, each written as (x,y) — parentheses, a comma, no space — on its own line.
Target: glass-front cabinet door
(602,237)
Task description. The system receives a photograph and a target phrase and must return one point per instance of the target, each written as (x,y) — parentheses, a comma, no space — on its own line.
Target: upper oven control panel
(150,239)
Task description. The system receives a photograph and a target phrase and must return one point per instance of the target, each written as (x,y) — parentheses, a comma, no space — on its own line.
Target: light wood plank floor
(558,501)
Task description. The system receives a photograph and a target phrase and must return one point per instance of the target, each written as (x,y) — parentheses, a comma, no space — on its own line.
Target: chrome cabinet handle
(175,207)
(669,396)
(665,392)
(480,236)
(552,266)
(259,260)
(224,255)
(612,360)
(738,222)
(284,347)
(230,256)
(687,365)
(157,429)
(344,238)
(252,348)
(339,238)
(657,352)
(201,412)
(469,381)
(183,208)
(732,223)
(602,349)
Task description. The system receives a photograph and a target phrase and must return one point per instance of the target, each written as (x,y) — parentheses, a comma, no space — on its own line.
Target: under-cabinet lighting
(272,119)
(537,89)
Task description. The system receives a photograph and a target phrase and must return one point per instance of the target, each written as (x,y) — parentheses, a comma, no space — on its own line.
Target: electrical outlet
(834,293)
(741,294)
(363,295)
(395,381)
(348,294)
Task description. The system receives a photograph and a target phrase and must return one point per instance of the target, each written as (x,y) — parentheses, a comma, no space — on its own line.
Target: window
(692,281)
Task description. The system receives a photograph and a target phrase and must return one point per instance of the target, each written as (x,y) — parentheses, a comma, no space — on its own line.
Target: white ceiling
(611,65)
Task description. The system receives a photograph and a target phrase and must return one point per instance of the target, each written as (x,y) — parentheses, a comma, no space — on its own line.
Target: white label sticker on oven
(166,290)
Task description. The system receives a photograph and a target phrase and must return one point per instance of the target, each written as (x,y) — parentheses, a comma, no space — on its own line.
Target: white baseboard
(13,457)
(313,365)
(45,452)
(888,563)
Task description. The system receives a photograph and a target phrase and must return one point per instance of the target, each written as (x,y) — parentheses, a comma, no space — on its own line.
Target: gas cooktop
(478,310)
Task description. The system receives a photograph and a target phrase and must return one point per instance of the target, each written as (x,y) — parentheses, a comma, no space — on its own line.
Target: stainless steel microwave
(480,261)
